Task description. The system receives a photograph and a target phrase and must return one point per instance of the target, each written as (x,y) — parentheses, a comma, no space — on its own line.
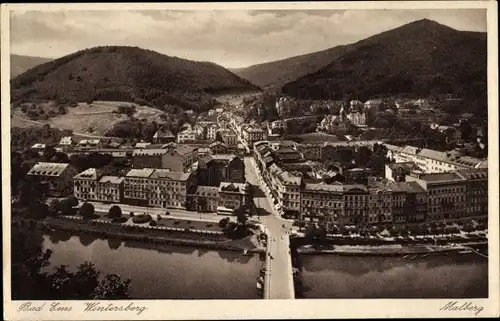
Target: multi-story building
(214,169)
(66,143)
(85,185)
(476,187)
(357,118)
(415,209)
(186,136)
(169,189)
(163,137)
(110,189)
(55,178)
(180,158)
(204,199)
(446,195)
(228,137)
(322,203)
(312,152)
(379,204)
(397,172)
(234,195)
(218,147)
(356,200)
(252,134)
(212,131)
(333,124)
(150,158)
(136,185)
(431,161)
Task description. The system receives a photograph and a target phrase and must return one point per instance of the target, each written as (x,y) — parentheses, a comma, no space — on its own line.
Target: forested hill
(127,74)
(420,58)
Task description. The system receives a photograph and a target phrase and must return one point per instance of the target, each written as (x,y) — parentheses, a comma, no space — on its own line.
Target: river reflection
(443,276)
(160,271)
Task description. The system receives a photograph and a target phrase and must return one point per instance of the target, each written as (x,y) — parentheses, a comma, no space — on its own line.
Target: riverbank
(390,250)
(152,235)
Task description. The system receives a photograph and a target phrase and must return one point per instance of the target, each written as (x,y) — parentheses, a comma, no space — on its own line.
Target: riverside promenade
(278,280)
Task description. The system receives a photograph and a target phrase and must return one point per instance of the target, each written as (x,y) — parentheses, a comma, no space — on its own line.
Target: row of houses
(432,161)
(422,197)
(160,188)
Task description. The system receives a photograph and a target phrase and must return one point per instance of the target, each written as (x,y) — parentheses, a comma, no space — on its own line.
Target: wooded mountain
(420,58)
(275,74)
(20,64)
(127,74)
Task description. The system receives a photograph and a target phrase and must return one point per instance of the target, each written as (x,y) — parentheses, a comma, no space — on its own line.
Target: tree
(87,210)
(223,222)
(241,218)
(55,207)
(115,212)
(72,200)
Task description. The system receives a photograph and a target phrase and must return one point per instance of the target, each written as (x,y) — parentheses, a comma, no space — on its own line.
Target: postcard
(184,161)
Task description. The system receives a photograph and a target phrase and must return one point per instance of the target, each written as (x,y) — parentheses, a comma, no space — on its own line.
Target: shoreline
(141,234)
(381,250)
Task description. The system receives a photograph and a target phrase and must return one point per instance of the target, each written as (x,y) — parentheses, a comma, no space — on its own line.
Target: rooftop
(47,169)
(441,177)
(67,140)
(143,173)
(90,174)
(111,179)
(168,174)
(163,134)
(149,152)
(473,173)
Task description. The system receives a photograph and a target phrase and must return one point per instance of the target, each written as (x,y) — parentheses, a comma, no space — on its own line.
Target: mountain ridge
(21,63)
(422,57)
(129,74)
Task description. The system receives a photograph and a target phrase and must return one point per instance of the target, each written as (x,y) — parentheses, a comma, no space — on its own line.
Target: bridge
(278,279)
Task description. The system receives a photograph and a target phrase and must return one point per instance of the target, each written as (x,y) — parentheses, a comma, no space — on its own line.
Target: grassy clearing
(94,119)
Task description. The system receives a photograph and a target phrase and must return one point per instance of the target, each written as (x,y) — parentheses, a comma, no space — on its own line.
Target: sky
(232,39)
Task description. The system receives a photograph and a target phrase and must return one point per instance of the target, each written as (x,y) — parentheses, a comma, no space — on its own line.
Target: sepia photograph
(249,153)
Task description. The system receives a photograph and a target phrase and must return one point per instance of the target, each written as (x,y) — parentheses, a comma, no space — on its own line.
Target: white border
(269,309)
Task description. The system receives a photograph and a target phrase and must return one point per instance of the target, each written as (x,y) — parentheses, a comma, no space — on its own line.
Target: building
(214,169)
(180,158)
(136,187)
(38,147)
(322,203)
(110,189)
(446,195)
(56,178)
(333,124)
(204,199)
(234,195)
(163,137)
(85,185)
(397,172)
(356,201)
(211,131)
(150,158)
(312,152)
(89,144)
(252,133)
(476,195)
(357,118)
(66,143)
(432,161)
(218,147)
(227,136)
(168,189)
(187,135)
(279,125)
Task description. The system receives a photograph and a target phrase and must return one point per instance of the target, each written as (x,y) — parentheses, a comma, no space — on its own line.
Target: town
(203,170)
(357,171)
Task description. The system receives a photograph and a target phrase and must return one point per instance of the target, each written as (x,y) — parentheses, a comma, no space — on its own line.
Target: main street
(279,277)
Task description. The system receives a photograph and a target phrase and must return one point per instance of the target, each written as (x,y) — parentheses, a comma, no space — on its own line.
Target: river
(161,271)
(443,276)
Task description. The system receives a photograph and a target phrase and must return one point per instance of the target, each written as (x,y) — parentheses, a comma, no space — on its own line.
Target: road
(279,277)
